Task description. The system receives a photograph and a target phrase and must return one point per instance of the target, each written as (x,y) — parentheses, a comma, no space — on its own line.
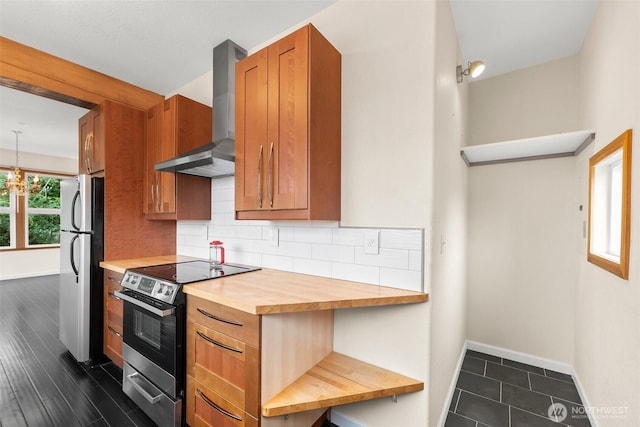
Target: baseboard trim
(517,356)
(29,275)
(452,386)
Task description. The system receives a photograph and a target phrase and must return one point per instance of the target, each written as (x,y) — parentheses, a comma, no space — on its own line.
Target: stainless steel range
(154,327)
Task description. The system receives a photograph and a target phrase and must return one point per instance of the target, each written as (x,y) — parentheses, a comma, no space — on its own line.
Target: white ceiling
(161,45)
(510,35)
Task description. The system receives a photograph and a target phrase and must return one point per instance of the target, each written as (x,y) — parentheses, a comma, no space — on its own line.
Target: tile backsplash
(319,248)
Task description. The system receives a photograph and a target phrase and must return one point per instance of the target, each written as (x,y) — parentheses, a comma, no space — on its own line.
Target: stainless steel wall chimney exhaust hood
(217,159)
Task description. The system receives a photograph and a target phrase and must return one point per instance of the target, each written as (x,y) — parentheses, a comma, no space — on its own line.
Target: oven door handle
(141,304)
(139,383)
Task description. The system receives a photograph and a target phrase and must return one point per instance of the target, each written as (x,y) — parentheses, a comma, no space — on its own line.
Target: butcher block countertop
(120,266)
(273,291)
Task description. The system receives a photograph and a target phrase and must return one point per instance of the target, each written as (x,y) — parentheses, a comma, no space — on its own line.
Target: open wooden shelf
(336,380)
(540,147)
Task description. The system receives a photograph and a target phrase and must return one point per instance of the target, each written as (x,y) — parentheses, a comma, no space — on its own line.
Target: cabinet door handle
(113,331)
(260,177)
(151,190)
(157,198)
(88,150)
(216,407)
(269,175)
(219,344)
(112,295)
(219,319)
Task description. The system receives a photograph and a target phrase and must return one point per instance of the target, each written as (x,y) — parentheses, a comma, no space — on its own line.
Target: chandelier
(16,183)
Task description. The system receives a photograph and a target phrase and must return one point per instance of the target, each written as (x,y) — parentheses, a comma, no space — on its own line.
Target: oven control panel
(155,288)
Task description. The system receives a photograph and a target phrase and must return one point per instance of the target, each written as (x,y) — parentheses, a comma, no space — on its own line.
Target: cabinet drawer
(212,410)
(228,366)
(113,304)
(112,277)
(113,345)
(234,323)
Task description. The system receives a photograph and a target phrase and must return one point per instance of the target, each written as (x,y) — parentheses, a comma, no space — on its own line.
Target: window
(610,206)
(33,220)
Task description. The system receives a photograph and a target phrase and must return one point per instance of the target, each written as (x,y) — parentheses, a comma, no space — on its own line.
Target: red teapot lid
(216,242)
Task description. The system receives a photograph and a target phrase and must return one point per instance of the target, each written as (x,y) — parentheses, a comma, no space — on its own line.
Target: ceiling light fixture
(16,183)
(474,69)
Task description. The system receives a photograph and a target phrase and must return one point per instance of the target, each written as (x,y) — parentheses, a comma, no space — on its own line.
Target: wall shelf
(536,148)
(337,380)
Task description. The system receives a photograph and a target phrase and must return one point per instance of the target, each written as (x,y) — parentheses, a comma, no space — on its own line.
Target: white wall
(449,236)
(36,262)
(523,221)
(523,228)
(607,323)
(540,100)
(387,50)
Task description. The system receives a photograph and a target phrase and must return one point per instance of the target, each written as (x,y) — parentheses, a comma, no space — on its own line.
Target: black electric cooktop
(192,271)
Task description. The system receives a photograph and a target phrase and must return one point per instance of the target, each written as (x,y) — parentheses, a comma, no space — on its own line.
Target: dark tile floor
(41,384)
(496,392)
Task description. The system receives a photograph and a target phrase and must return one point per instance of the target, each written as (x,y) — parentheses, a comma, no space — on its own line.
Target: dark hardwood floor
(41,384)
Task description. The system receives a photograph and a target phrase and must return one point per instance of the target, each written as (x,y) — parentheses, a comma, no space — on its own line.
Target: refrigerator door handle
(72,255)
(74,202)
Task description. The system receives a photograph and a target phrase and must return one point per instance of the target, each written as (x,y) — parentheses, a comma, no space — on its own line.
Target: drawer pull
(114,280)
(219,319)
(216,407)
(112,295)
(219,344)
(114,332)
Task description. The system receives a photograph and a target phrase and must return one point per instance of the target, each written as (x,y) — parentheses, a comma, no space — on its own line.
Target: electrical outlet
(371,242)
(274,237)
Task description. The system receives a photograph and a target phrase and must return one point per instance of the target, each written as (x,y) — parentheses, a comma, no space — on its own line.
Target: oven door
(149,328)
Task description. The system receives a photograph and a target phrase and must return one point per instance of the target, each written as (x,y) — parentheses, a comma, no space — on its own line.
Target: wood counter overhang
(273,291)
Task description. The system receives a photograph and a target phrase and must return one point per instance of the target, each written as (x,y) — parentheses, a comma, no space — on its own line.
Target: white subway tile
(313,267)
(286,234)
(219,232)
(402,279)
(357,273)
(277,262)
(366,259)
(401,239)
(415,260)
(336,253)
(394,258)
(249,232)
(348,236)
(222,195)
(247,258)
(293,249)
(312,235)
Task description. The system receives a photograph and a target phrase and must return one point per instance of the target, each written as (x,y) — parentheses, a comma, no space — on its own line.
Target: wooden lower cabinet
(112,334)
(236,361)
(223,365)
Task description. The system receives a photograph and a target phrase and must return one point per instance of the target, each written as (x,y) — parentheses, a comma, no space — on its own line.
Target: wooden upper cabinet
(91,142)
(175,126)
(288,98)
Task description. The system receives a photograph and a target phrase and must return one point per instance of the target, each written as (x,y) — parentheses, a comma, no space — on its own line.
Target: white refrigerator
(81,250)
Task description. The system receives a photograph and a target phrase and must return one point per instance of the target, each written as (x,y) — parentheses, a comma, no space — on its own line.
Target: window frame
(19,212)
(603,259)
